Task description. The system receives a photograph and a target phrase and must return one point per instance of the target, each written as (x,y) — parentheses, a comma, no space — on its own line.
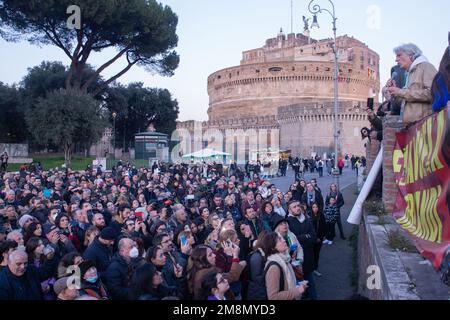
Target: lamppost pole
(124,132)
(315,9)
(114,115)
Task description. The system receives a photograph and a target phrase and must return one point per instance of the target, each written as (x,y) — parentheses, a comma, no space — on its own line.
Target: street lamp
(315,9)
(124,132)
(114,115)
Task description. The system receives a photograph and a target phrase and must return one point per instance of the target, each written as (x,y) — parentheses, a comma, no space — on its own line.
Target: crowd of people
(166,232)
(318,164)
(186,231)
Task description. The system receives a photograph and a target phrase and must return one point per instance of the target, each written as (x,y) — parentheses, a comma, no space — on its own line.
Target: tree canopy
(47,77)
(137,107)
(66,117)
(143,32)
(12,121)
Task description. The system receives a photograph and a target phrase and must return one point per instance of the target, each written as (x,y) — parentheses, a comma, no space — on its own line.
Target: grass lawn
(55,161)
(78,162)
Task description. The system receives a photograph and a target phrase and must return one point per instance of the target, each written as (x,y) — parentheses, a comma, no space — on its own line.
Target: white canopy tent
(206,154)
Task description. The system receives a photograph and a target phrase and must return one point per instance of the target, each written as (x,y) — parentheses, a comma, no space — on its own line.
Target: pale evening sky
(213,34)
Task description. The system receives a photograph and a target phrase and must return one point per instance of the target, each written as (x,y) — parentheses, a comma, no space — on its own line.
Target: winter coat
(331,213)
(257,226)
(319,224)
(246,245)
(441,94)
(317,198)
(272,278)
(271,219)
(306,235)
(256,287)
(417,94)
(235,213)
(117,278)
(28,286)
(100,254)
(339,200)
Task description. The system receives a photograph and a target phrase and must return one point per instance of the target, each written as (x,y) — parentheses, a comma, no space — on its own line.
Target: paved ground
(348,178)
(335,260)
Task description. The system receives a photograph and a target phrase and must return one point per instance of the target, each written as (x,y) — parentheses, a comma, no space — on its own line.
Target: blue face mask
(92,279)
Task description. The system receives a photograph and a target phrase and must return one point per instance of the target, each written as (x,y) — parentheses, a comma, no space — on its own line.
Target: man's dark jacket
(307,237)
(100,254)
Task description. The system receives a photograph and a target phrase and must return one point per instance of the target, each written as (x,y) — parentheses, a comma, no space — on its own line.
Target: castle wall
(288,86)
(289,71)
(305,130)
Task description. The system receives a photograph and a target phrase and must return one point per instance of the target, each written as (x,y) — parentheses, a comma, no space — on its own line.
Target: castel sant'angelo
(288,85)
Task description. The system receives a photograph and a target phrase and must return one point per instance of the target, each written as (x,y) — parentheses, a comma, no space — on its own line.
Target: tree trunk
(67,155)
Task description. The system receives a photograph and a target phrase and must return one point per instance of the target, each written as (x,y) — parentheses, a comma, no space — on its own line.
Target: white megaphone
(356,213)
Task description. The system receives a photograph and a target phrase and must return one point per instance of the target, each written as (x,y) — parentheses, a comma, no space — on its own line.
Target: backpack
(257,290)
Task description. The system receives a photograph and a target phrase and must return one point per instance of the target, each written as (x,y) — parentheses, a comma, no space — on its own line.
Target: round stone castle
(290,70)
(288,85)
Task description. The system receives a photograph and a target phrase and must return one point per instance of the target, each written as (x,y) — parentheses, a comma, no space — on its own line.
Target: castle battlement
(287,85)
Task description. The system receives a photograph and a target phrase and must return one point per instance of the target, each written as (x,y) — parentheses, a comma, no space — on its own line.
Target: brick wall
(390,127)
(372,149)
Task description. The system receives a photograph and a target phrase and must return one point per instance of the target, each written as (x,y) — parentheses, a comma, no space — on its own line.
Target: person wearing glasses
(281,283)
(171,276)
(174,257)
(203,261)
(147,284)
(214,286)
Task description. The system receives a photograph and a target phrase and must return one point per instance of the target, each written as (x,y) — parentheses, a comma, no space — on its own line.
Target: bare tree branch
(57,43)
(118,75)
(104,66)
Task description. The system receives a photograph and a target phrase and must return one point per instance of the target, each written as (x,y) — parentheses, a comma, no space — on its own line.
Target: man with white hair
(416,95)
(10,199)
(21,281)
(117,273)
(16,236)
(179,219)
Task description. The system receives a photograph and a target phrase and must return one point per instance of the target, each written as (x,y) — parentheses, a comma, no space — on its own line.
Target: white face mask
(134,253)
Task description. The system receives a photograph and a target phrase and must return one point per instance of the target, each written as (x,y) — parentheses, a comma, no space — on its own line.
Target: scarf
(290,240)
(285,264)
